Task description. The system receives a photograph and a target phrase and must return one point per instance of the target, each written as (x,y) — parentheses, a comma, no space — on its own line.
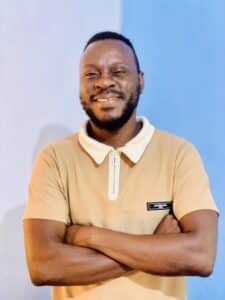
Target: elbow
(205,271)
(201,257)
(44,267)
(37,281)
(38,274)
(206,267)
(202,265)
(43,271)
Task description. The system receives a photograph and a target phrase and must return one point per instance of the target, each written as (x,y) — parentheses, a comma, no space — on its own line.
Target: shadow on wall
(49,134)
(15,279)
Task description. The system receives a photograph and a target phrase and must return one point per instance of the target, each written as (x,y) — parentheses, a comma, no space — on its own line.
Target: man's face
(109,83)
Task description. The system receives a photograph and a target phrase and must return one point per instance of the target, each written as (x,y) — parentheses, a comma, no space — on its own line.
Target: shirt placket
(113,175)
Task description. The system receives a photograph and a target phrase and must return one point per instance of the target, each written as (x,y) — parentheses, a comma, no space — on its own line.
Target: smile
(107,97)
(106,100)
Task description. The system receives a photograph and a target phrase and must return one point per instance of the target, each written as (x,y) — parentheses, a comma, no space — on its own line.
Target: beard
(114,124)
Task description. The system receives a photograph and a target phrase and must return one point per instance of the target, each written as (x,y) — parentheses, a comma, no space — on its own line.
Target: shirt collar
(132,149)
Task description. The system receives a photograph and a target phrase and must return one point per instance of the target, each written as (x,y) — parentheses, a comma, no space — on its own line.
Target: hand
(70,233)
(169,224)
(78,235)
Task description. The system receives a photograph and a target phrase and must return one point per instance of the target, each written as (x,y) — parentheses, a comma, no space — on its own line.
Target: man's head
(110,80)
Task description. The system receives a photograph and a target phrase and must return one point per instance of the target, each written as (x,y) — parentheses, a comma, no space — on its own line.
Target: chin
(113,120)
(110,124)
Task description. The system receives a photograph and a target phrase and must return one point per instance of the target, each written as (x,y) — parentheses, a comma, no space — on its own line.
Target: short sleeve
(191,185)
(46,198)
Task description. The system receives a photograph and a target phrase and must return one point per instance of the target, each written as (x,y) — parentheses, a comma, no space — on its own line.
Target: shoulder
(60,149)
(170,147)
(170,142)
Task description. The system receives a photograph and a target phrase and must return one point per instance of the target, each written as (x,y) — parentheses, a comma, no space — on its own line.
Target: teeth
(104,99)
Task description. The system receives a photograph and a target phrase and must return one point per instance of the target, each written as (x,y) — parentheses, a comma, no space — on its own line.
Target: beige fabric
(134,149)
(68,185)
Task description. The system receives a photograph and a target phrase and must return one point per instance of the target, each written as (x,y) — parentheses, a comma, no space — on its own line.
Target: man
(119,209)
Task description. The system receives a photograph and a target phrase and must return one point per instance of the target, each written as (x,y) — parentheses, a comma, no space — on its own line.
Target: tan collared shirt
(134,149)
(79,180)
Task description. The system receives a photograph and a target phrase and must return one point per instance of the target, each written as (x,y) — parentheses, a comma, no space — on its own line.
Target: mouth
(107,103)
(107,97)
(106,100)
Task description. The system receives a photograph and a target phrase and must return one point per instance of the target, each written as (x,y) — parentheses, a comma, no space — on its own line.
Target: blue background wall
(181,45)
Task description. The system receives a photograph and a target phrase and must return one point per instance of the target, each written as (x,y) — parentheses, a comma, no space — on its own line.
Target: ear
(141,81)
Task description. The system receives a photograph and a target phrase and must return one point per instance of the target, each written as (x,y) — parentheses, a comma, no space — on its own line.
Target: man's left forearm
(159,254)
(187,253)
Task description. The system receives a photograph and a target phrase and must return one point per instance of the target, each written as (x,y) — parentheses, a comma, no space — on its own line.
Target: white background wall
(40,46)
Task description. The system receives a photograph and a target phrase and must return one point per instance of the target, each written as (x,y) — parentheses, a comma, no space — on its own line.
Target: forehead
(107,52)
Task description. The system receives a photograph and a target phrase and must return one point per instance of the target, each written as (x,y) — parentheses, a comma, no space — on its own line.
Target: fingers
(70,233)
(172,224)
(169,224)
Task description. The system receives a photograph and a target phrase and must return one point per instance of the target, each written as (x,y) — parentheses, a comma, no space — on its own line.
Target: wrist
(89,233)
(97,237)
(83,236)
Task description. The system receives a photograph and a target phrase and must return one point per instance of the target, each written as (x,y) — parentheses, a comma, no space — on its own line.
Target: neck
(119,137)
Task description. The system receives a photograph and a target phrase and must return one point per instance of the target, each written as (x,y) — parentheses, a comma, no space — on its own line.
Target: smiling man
(111,83)
(120,209)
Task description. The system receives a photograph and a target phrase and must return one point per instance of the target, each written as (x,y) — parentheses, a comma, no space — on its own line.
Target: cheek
(130,85)
(85,90)
(130,89)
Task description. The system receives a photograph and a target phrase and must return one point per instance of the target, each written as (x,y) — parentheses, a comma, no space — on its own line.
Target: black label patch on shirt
(160,205)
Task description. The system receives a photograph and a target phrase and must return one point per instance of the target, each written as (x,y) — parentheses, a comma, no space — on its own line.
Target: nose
(104,81)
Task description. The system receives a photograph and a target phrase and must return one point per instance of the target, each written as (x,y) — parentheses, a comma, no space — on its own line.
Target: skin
(170,251)
(52,261)
(108,70)
(73,255)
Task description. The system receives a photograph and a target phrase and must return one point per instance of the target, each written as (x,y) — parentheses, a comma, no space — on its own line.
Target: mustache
(105,93)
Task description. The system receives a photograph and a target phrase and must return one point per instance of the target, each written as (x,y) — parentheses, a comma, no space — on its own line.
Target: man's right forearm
(74,265)
(53,262)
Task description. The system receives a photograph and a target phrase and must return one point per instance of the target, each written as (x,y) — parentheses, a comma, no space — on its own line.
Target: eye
(91,74)
(119,72)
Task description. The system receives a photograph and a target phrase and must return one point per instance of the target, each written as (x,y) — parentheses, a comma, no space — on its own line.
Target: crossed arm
(86,254)
(51,261)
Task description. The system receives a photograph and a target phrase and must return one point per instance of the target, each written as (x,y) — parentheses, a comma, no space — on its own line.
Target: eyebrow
(89,65)
(120,64)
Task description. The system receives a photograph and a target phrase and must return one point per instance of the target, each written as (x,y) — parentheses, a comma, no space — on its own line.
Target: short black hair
(104,35)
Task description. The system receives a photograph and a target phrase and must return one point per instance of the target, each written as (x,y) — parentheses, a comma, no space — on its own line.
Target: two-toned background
(181,46)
